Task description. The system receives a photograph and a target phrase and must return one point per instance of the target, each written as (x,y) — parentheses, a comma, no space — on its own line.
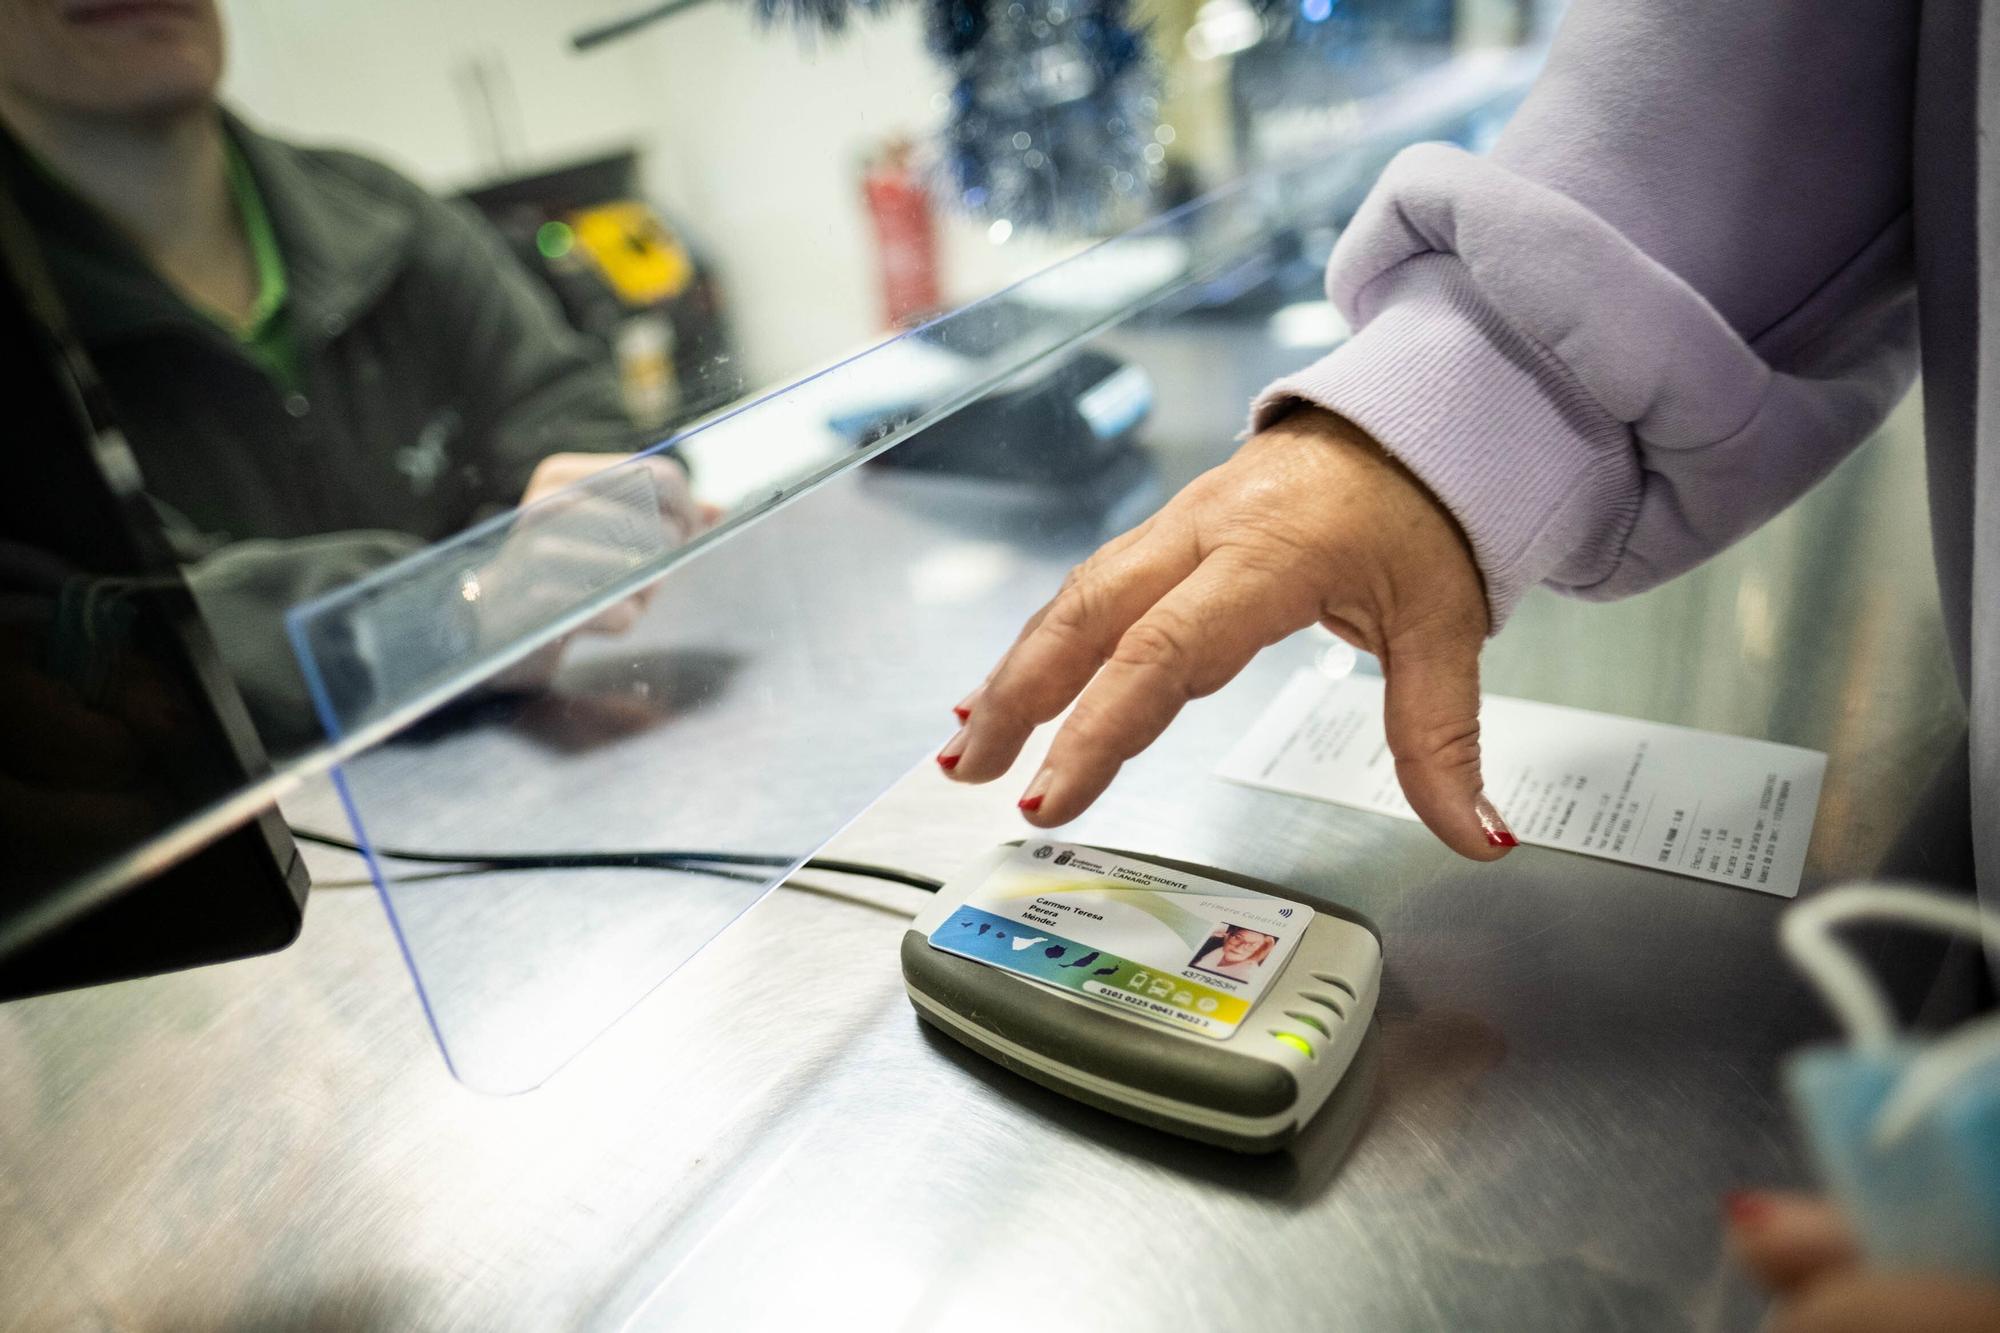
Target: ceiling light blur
(1222,28)
(1307,324)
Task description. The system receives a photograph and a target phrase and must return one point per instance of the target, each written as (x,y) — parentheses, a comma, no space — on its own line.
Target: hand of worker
(553,554)
(682,516)
(677,503)
(1800,1248)
(1309,521)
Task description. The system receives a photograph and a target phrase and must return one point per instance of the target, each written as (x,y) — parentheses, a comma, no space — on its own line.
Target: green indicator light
(554,239)
(1296,1042)
(1310,1022)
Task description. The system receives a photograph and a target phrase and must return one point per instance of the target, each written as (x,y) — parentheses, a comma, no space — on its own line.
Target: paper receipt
(1722,808)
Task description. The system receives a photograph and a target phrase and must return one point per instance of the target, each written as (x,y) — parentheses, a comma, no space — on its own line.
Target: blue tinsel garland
(1054,107)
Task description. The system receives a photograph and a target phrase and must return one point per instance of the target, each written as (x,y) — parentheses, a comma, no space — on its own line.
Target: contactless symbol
(1206,1004)
(1044,852)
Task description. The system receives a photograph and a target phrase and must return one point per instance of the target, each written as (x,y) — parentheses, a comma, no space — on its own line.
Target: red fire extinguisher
(905,236)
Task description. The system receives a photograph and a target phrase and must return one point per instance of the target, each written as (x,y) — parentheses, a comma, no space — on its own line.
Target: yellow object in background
(645,350)
(643,261)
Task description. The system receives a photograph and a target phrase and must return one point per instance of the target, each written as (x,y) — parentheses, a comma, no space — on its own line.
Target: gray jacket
(435,374)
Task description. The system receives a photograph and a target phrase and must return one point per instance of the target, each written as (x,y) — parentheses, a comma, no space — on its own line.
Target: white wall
(752,139)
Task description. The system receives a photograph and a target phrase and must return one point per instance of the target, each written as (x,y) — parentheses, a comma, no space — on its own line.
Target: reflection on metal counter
(1184,997)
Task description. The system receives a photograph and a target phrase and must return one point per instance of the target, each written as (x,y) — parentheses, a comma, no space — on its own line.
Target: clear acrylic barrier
(574,678)
(676,208)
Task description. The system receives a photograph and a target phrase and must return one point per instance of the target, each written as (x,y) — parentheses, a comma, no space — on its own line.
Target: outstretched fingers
(1061,649)
(1190,644)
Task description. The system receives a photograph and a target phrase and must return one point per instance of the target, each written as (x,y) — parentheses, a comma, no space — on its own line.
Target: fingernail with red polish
(1497,832)
(962,713)
(1746,1208)
(953,751)
(1031,800)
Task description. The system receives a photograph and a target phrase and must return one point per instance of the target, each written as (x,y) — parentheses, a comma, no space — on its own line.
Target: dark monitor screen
(117,720)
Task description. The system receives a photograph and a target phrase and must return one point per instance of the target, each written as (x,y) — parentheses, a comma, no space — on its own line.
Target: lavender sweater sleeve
(1674,298)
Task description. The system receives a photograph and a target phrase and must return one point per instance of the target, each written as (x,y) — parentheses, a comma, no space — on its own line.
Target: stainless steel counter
(1573,1059)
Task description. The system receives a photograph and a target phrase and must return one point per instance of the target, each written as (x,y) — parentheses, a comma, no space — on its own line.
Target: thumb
(1789,1241)
(1431,715)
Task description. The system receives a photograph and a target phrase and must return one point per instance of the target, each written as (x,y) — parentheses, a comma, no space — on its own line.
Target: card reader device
(1195,1000)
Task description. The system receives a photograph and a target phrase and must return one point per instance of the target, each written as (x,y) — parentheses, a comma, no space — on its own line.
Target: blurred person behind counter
(1690,278)
(320,366)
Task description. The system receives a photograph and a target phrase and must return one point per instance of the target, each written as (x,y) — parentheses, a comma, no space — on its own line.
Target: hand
(1800,1248)
(555,555)
(683,517)
(1309,521)
(686,517)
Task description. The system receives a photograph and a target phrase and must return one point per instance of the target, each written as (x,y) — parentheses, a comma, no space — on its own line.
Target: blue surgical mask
(1905,1132)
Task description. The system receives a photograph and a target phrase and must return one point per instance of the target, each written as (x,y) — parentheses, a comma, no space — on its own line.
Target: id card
(1182,950)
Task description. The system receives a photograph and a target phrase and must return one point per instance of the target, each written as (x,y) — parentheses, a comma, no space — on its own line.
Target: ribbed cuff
(1544,481)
